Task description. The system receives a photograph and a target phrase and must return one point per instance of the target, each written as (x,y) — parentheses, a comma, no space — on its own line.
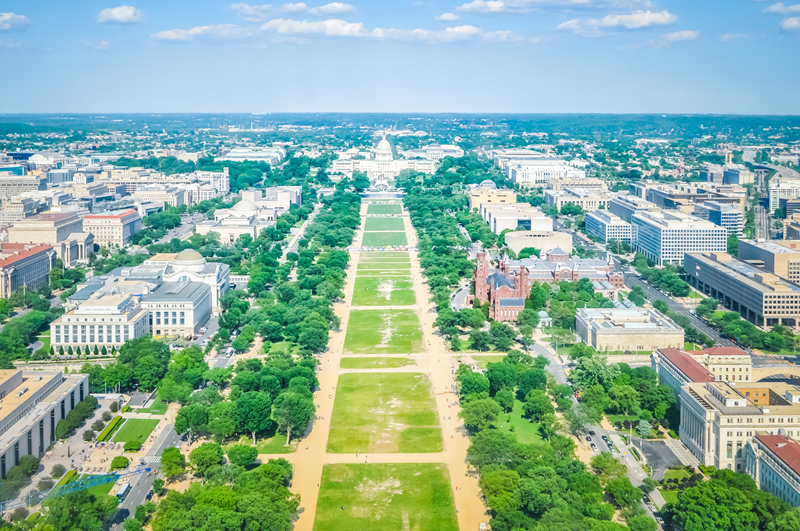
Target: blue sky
(605,56)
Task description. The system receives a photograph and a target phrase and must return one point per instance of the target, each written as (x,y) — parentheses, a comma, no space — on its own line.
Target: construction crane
(35,498)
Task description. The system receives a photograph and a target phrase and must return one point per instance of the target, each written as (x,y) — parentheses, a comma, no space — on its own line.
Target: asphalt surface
(142,483)
(460,298)
(632,279)
(659,456)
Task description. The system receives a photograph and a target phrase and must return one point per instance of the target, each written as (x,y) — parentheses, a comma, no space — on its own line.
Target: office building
(108,320)
(279,198)
(178,308)
(502,217)
(504,157)
(533,172)
(219,180)
(63,231)
(586,198)
(24,265)
(773,461)
(676,368)
(664,237)
(760,297)
(683,196)
(718,418)
(12,185)
(738,176)
(726,216)
(245,217)
(544,241)
(18,208)
(435,152)
(191,266)
(791,227)
(626,205)
(33,404)
(159,193)
(621,329)
(559,183)
(113,230)
(779,257)
(487,193)
(270,155)
(607,226)
(711,174)
(780,188)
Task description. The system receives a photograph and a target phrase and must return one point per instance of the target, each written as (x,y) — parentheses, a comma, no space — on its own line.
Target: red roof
(112,216)
(786,449)
(687,365)
(23,250)
(722,351)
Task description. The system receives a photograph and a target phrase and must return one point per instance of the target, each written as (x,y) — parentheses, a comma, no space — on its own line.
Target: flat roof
(11,253)
(29,382)
(112,216)
(772,247)
(784,448)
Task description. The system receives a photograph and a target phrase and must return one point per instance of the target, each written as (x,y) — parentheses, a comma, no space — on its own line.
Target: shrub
(20,513)
(57,471)
(88,435)
(45,484)
(106,416)
(132,446)
(106,433)
(67,477)
(120,462)
(114,407)
(98,425)
(29,464)
(126,409)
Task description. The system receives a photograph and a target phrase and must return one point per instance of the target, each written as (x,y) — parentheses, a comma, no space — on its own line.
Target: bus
(123,491)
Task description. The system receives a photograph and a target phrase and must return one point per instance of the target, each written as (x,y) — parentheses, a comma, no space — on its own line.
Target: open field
(385,497)
(402,266)
(527,432)
(135,430)
(375,363)
(156,408)
(382,255)
(377,291)
(383,332)
(384,272)
(374,224)
(385,210)
(481,361)
(382,239)
(384,413)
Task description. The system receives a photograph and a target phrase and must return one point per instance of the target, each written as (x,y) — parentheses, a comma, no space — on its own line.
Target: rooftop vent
(37,379)
(21,392)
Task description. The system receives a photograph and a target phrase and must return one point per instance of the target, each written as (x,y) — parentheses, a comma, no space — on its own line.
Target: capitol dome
(245,206)
(384,150)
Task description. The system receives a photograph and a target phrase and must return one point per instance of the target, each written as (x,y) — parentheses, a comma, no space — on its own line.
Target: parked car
(594,447)
(591,433)
(589,439)
(150,494)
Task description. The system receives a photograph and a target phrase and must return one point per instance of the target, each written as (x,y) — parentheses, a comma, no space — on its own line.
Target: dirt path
(434,360)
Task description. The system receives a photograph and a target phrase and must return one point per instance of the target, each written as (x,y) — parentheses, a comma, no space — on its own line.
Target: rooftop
(119,215)
(784,448)
(11,253)
(687,365)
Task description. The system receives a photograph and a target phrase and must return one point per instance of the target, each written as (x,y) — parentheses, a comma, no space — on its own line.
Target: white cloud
(97,45)
(527,6)
(216,32)
(334,8)
(638,19)
(782,9)
(342,28)
(10,45)
(12,21)
(252,13)
(486,6)
(791,25)
(728,37)
(120,15)
(683,35)
(447,16)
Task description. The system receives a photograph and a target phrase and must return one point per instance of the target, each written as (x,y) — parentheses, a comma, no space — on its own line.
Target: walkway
(433,361)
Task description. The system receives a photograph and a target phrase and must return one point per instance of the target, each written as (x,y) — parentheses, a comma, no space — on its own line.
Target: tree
(479,340)
(501,376)
(733,245)
(625,397)
(204,457)
(88,435)
(119,461)
(473,383)
(293,411)
(642,523)
(480,414)
(253,413)
(240,344)
(29,464)
(607,467)
(551,425)
(158,486)
(505,397)
(528,317)
(242,455)
(713,505)
(596,370)
(57,471)
(644,429)
(173,462)
(649,484)
(623,491)
(537,405)
(314,339)
(192,419)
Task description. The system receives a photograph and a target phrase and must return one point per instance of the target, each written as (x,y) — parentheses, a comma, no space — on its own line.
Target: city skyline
(539,56)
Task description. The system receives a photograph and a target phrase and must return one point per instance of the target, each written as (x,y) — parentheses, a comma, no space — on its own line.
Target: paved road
(294,242)
(635,471)
(184,229)
(141,484)
(460,298)
(632,279)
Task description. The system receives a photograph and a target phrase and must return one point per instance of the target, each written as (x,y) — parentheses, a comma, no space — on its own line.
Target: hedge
(636,453)
(106,433)
(67,478)
(126,409)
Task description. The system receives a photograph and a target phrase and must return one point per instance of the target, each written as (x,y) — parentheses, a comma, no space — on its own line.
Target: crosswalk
(686,457)
(150,459)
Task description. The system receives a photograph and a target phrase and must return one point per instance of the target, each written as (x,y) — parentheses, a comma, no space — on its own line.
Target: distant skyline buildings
(543,57)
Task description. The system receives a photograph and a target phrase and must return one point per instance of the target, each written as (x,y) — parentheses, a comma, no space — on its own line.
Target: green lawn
(384,413)
(386,497)
(385,210)
(676,474)
(45,339)
(670,496)
(375,363)
(367,258)
(527,432)
(374,224)
(384,239)
(691,346)
(97,490)
(483,360)
(695,295)
(402,267)
(383,332)
(384,255)
(135,430)
(377,291)
(404,273)
(156,408)
(621,418)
